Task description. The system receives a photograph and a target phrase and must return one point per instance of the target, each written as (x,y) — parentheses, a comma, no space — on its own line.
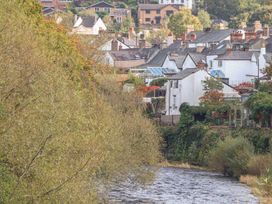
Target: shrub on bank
(231,156)
(259,164)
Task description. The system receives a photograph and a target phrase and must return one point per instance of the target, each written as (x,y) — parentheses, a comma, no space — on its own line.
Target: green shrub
(259,164)
(231,156)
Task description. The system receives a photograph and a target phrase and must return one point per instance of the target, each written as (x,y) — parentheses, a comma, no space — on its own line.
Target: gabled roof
(156,6)
(101,4)
(211,36)
(179,59)
(159,59)
(88,21)
(236,55)
(127,41)
(184,73)
(197,57)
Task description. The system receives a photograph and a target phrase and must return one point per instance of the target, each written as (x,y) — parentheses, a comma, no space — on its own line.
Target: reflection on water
(182,186)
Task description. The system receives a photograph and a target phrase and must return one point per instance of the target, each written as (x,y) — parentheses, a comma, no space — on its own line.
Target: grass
(257,190)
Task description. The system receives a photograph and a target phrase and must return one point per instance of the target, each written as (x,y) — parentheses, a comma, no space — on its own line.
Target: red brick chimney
(193,37)
(250,36)
(236,37)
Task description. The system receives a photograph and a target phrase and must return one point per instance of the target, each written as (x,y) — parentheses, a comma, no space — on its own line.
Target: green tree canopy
(204,18)
(180,22)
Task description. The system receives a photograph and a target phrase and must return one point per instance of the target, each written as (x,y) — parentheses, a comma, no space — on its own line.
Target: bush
(266,182)
(259,164)
(231,156)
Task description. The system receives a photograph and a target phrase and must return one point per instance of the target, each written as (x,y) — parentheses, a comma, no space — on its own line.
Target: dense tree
(180,22)
(204,18)
(58,137)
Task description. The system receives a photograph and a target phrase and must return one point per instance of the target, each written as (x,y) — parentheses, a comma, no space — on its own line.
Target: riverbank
(256,188)
(250,181)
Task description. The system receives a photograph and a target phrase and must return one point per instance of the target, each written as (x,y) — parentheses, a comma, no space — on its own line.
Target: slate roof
(88,21)
(133,54)
(221,48)
(184,73)
(127,41)
(48,10)
(268,57)
(269,45)
(159,59)
(178,60)
(211,36)
(101,4)
(197,57)
(236,55)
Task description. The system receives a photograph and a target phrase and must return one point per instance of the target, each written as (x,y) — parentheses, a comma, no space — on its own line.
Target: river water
(183,186)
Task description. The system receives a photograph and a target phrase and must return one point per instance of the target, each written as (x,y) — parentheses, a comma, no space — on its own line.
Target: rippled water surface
(181,186)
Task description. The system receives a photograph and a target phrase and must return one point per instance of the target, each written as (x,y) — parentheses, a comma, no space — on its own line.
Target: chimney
(257,26)
(75,18)
(263,47)
(228,48)
(142,43)
(193,37)
(163,45)
(236,37)
(114,45)
(199,49)
(266,32)
(130,32)
(201,65)
(170,39)
(250,36)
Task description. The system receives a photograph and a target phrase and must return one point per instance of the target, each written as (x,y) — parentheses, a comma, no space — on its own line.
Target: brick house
(117,14)
(153,15)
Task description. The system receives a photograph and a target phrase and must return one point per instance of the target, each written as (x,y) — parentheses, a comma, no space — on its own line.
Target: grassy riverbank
(257,189)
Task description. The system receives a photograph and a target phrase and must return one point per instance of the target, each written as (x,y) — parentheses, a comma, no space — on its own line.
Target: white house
(239,66)
(187,87)
(88,25)
(186,3)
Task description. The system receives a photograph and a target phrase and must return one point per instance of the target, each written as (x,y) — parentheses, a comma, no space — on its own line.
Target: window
(161,1)
(96,9)
(169,13)
(172,1)
(211,64)
(220,63)
(158,11)
(174,84)
(175,102)
(147,11)
(147,19)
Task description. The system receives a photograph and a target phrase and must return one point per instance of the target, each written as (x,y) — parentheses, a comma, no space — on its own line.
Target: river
(183,186)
